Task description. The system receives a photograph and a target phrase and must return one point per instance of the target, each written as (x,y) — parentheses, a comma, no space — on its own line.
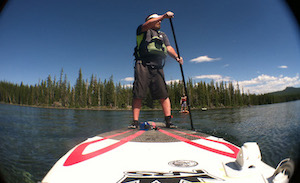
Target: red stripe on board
(229,145)
(76,156)
(231,155)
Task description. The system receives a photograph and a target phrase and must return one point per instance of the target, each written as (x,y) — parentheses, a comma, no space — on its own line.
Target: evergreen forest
(97,94)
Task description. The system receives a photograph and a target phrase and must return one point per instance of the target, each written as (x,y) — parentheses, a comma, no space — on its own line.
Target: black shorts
(147,77)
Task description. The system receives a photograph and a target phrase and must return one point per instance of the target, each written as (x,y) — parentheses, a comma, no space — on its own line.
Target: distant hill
(287,91)
(288,94)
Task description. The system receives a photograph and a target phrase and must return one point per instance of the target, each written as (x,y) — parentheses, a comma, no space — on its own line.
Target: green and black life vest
(150,44)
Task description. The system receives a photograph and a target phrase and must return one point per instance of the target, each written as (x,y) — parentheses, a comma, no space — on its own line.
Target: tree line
(95,93)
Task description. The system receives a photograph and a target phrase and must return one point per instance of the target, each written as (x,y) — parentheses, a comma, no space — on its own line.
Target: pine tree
(109,90)
(79,90)
(49,100)
(64,92)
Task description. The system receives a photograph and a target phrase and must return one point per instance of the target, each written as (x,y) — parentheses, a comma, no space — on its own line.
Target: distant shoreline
(119,109)
(73,108)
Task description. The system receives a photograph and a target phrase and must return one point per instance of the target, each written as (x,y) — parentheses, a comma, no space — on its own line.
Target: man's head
(154,15)
(157,25)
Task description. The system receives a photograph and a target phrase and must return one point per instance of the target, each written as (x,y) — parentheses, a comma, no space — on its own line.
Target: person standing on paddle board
(183,103)
(152,48)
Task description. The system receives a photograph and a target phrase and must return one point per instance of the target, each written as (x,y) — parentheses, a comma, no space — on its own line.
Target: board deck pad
(154,135)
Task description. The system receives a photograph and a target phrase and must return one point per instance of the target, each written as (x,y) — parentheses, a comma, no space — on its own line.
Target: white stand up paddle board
(162,155)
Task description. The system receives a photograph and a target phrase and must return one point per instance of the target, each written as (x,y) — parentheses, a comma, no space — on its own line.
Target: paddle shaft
(182,74)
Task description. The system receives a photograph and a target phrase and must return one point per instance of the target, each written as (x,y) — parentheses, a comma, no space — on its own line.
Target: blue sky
(252,42)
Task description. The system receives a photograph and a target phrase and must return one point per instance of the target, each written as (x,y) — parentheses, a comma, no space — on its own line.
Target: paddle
(182,74)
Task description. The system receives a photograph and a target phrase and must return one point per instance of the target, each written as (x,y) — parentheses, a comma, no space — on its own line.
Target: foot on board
(170,125)
(134,125)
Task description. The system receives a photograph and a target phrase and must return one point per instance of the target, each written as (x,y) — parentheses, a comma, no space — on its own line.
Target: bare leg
(166,105)
(136,108)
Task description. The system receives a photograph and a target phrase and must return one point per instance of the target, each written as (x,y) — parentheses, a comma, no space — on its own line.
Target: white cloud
(128,79)
(204,59)
(259,85)
(265,84)
(173,81)
(283,67)
(128,86)
(216,78)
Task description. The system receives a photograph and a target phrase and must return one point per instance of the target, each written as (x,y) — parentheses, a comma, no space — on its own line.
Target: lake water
(33,139)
